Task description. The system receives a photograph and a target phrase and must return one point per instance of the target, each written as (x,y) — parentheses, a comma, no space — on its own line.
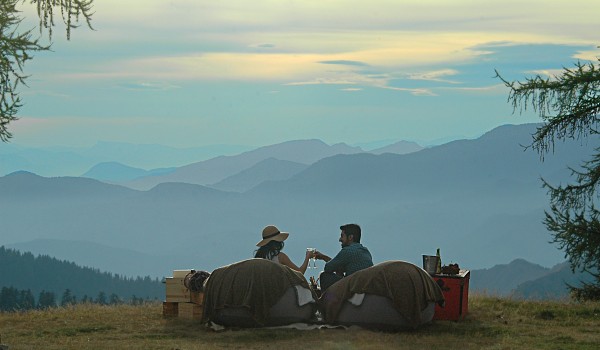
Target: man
(353,257)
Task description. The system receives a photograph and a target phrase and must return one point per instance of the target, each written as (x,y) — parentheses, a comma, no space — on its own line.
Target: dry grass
(492,323)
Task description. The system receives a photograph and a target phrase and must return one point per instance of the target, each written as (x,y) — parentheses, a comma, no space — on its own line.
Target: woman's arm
(285,260)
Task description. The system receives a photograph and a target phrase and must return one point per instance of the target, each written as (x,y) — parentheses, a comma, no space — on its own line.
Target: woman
(271,245)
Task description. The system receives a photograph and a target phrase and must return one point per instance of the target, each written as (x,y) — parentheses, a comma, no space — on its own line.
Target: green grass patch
(492,323)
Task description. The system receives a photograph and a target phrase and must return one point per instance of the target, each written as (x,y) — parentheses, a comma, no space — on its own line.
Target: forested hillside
(42,274)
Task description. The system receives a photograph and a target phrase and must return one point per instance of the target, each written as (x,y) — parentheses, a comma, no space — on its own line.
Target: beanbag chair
(390,295)
(257,292)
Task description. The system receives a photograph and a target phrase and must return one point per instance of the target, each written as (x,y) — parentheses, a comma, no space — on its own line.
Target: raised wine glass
(314,264)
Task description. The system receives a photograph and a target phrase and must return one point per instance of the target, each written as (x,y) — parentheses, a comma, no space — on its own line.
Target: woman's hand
(309,254)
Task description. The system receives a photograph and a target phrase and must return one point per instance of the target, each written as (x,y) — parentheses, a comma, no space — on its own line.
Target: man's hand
(321,256)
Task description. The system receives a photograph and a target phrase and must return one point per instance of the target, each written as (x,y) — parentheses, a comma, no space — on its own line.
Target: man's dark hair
(352,230)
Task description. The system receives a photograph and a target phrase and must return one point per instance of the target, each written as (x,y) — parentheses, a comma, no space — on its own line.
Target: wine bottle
(438,268)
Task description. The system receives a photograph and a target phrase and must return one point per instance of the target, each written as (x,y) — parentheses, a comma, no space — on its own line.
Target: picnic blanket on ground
(256,284)
(409,287)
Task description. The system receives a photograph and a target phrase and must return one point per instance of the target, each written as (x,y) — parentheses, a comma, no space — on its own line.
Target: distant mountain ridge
(525,280)
(117,172)
(23,184)
(217,169)
(504,278)
(74,161)
(479,200)
(553,285)
(270,169)
(116,162)
(400,147)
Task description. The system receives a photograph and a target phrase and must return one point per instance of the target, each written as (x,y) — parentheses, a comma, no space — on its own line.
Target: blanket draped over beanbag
(253,286)
(410,289)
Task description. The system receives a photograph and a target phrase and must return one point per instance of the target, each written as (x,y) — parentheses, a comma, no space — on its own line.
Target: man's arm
(321,256)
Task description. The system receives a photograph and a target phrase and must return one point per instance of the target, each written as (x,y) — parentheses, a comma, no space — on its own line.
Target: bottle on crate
(438,268)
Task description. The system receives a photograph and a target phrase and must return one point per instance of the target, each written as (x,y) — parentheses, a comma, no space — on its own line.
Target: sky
(191,73)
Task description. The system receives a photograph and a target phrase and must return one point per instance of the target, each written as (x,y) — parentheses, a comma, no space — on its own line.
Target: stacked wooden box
(180,301)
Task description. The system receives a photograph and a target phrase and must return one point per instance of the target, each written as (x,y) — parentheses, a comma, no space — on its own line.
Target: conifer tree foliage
(12,299)
(62,282)
(17,46)
(569,105)
(46,300)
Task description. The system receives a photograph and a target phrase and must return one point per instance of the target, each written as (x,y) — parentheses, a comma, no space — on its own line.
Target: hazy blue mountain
(470,196)
(117,172)
(73,161)
(522,279)
(503,279)
(270,169)
(480,201)
(47,162)
(151,156)
(495,160)
(25,185)
(400,147)
(553,285)
(125,262)
(217,169)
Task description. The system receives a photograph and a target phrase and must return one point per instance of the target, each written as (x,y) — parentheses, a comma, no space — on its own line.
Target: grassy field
(492,323)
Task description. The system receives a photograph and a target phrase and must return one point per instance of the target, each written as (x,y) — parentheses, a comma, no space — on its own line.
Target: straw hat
(272,233)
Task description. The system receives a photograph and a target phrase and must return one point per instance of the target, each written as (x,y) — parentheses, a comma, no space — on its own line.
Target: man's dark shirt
(350,259)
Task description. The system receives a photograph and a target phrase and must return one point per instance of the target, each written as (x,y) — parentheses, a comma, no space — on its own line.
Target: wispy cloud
(496,89)
(149,86)
(436,75)
(223,51)
(264,46)
(346,63)
(588,55)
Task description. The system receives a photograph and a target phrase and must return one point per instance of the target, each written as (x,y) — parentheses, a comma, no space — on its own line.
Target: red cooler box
(456,293)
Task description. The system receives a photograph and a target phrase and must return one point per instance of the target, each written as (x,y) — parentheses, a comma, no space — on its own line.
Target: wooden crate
(189,311)
(170,309)
(197,298)
(176,291)
(181,273)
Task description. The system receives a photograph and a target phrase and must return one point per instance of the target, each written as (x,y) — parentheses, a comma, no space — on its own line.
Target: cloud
(436,75)
(148,86)
(496,89)
(346,63)
(322,81)
(413,91)
(362,44)
(588,55)
(549,73)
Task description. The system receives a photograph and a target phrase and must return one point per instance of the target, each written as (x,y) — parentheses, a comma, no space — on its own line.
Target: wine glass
(314,263)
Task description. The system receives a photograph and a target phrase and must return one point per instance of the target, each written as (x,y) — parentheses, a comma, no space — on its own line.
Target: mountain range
(215,172)
(119,161)
(480,201)
(524,280)
(74,161)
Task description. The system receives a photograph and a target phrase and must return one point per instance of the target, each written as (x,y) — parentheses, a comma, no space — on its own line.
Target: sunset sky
(193,72)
